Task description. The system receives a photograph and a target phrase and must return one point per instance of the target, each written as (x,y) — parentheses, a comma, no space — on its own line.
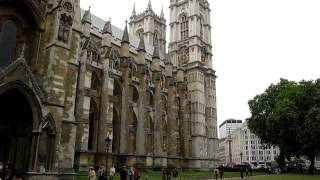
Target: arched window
(155,39)
(93,125)
(139,32)
(184,27)
(8,38)
(201,27)
(95,82)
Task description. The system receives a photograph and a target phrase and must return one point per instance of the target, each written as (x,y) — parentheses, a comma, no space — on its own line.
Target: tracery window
(184,27)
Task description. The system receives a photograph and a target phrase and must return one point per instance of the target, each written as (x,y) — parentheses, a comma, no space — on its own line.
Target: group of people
(245,170)
(101,173)
(129,173)
(218,171)
(168,174)
(8,172)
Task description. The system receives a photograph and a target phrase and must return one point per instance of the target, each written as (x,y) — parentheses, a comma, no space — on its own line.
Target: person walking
(164,174)
(216,173)
(168,174)
(123,173)
(130,173)
(175,174)
(101,173)
(92,174)
(241,172)
(247,172)
(221,172)
(112,172)
(136,174)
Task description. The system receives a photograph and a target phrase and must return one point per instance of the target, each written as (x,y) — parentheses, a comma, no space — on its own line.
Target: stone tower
(190,51)
(149,25)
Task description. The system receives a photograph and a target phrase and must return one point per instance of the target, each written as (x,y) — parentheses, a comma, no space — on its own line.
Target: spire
(134,10)
(149,8)
(141,45)
(107,27)
(87,16)
(156,52)
(162,13)
(125,37)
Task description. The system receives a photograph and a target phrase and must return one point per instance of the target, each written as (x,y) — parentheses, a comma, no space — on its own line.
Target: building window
(184,28)
(201,28)
(8,38)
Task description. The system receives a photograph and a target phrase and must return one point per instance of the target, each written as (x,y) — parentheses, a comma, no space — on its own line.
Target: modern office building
(242,146)
(228,126)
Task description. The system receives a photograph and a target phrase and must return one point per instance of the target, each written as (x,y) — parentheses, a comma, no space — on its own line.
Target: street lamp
(241,157)
(108,140)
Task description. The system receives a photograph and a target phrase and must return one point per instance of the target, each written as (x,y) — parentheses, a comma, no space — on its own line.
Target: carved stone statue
(64,28)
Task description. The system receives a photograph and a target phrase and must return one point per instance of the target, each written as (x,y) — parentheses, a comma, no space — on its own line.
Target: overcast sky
(255,43)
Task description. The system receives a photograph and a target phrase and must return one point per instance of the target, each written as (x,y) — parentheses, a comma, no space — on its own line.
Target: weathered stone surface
(157,112)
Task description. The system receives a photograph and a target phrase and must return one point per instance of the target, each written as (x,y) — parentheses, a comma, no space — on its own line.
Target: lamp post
(108,140)
(241,157)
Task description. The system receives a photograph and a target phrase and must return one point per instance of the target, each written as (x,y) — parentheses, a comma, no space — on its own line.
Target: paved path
(236,178)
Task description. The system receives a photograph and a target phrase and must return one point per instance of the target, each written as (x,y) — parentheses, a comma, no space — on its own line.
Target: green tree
(287,115)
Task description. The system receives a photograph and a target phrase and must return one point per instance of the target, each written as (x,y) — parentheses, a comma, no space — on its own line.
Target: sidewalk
(236,178)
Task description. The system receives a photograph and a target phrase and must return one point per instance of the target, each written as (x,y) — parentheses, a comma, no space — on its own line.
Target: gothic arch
(95,82)
(117,89)
(134,94)
(47,142)
(21,114)
(29,94)
(93,124)
(18,36)
(149,98)
(132,125)
(140,32)
(148,125)
(116,130)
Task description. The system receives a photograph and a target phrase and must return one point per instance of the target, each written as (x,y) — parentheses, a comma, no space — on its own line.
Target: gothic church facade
(69,79)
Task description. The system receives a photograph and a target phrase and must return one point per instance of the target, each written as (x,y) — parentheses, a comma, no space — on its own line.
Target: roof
(118,33)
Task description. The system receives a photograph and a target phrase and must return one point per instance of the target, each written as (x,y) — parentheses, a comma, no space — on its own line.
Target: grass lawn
(286,177)
(156,175)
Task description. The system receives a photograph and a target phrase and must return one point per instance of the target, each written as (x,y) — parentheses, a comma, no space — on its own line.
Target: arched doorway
(18,119)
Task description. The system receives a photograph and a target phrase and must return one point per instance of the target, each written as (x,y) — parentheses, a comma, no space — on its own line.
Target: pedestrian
(221,172)
(241,172)
(175,174)
(1,170)
(130,173)
(9,171)
(101,172)
(136,174)
(168,174)
(250,169)
(92,174)
(123,173)
(112,172)
(247,172)
(216,173)
(164,174)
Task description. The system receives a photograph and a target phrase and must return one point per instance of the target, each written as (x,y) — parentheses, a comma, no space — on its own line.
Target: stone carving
(65,25)
(65,21)
(204,55)
(184,55)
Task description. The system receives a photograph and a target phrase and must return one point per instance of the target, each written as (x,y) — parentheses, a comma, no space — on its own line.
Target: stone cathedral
(69,80)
